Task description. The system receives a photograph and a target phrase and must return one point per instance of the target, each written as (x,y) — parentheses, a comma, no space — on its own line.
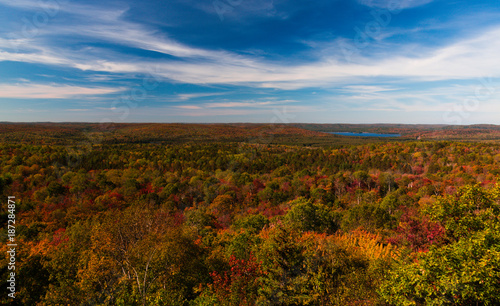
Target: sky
(267,61)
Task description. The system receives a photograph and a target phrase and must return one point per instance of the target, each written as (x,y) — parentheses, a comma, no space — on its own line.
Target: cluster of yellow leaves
(367,244)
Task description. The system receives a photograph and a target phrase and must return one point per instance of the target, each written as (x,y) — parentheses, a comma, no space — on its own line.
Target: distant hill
(165,133)
(304,134)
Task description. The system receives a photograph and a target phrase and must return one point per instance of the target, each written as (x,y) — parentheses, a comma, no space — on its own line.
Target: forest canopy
(149,214)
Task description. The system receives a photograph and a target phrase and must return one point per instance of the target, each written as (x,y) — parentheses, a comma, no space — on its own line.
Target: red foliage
(236,284)
(426,181)
(147,189)
(116,195)
(257,185)
(59,237)
(223,221)
(178,218)
(270,211)
(417,170)
(418,232)
(286,187)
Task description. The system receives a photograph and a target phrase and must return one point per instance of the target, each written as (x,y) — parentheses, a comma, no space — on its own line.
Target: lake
(364,134)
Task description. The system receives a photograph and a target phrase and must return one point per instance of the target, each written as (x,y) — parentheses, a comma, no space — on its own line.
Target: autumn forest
(250,214)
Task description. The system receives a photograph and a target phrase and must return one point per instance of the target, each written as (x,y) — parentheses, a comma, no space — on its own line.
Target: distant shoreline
(364,134)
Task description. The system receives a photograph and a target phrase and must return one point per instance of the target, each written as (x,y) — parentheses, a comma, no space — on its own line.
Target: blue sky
(270,61)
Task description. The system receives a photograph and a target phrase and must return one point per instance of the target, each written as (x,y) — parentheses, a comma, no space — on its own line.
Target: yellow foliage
(425,202)
(366,244)
(43,247)
(223,203)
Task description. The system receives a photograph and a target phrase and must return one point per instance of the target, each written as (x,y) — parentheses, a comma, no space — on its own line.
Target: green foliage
(387,183)
(55,188)
(253,223)
(389,202)
(305,215)
(285,266)
(463,272)
(471,209)
(368,216)
(201,220)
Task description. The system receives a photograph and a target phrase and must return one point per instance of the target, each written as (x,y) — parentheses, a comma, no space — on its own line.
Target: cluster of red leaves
(59,237)
(237,283)
(418,232)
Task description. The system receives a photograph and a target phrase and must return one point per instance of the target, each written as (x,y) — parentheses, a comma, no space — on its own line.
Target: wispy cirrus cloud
(54,91)
(77,110)
(184,97)
(394,4)
(467,58)
(189,107)
(238,104)
(367,89)
(228,111)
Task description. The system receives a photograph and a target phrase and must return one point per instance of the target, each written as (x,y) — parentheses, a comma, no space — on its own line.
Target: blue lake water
(365,134)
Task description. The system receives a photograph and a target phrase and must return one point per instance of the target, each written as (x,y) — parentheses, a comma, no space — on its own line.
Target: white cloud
(233,104)
(461,101)
(107,108)
(367,89)
(237,104)
(42,91)
(189,107)
(77,110)
(39,58)
(466,59)
(184,97)
(471,58)
(189,111)
(394,5)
